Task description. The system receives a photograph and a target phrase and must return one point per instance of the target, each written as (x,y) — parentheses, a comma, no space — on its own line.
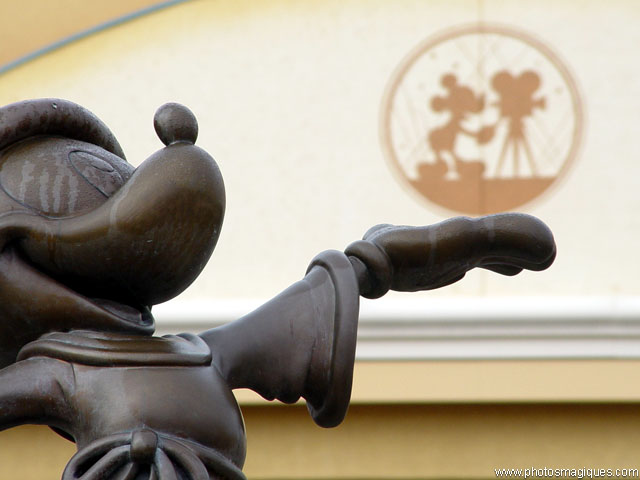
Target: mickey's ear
(56,117)
(449,80)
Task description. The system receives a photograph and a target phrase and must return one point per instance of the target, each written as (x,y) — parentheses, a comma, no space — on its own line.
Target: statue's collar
(113,349)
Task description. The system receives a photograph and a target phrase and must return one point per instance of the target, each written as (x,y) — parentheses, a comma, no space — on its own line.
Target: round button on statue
(88,244)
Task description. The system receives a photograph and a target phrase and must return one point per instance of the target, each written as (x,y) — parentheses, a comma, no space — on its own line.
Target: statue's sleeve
(299,344)
(33,391)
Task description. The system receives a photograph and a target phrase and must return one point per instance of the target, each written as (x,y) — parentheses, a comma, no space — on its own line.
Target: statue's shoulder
(112,349)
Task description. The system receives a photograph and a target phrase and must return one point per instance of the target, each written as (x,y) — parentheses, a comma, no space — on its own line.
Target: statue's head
(86,240)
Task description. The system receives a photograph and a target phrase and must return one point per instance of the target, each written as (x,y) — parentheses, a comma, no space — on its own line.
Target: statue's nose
(147,242)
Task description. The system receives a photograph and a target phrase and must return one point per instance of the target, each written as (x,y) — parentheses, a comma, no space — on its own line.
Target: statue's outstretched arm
(408,259)
(32,391)
(302,343)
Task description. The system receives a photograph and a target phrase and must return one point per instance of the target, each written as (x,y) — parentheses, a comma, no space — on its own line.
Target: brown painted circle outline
(478,28)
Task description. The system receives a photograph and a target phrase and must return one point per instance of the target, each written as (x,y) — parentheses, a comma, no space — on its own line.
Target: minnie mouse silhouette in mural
(88,244)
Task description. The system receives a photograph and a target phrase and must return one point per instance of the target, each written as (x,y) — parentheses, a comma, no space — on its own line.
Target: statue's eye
(59,177)
(97,172)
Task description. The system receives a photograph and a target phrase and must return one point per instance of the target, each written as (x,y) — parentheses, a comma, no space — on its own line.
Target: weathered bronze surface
(88,244)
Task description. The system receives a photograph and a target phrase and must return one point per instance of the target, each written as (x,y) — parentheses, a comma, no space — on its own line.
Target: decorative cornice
(462,328)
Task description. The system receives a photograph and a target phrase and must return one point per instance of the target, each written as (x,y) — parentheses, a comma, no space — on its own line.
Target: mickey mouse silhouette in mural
(460,102)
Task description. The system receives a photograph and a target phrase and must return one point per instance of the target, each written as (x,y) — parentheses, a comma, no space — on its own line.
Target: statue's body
(88,245)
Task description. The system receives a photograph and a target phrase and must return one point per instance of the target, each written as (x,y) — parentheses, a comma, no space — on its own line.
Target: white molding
(461,328)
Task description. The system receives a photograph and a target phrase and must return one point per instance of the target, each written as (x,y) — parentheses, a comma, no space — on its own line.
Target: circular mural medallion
(481,119)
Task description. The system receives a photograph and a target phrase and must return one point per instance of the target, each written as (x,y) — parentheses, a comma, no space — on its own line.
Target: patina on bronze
(88,244)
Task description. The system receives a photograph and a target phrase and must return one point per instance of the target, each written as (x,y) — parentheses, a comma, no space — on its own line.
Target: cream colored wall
(288,96)
(29,26)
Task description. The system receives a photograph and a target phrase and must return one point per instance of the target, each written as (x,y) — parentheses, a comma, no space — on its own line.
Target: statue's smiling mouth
(34,303)
(83,311)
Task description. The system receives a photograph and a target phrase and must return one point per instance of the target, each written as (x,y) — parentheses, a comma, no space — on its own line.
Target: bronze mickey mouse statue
(88,244)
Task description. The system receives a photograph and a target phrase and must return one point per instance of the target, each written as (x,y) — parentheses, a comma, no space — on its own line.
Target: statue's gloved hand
(422,258)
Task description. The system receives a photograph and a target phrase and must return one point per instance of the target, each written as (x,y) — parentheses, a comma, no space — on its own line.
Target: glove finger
(508,270)
(514,239)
